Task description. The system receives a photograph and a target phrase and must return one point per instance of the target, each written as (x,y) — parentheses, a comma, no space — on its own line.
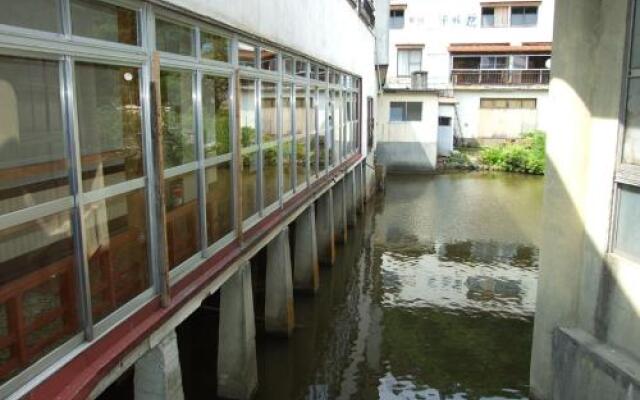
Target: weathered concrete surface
(590,370)
(582,286)
(157,373)
(306,271)
(340,211)
(359,182)
(278,310)
(324,229)
(351,201)
(237,363)
(407,156)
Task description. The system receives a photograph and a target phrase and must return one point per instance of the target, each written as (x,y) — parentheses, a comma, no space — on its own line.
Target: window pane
(214,47)
(301,136)
(181,207)
(37,279)
(531,16)
(331,128)
(250,200)
(215,115)
(322,73)
(109,122)
(116,243)
(313,136)
(104,21)
(414,111)
(177,117)
(287,64)
(21,13)
(322,129)
(33,165)
(403,63)
(287,132)
(247,55)
(488,18)
(517,16)
(269,60)
(248,112)
(635,40)
(396,112)
(631,150)
(301,68)
(628,233)
(174,38)
(269,126)
(219,188)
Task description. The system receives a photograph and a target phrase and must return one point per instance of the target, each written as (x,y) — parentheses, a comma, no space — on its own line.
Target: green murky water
(432,298)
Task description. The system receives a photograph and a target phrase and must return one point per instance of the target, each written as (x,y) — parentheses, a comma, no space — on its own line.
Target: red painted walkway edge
(77,378)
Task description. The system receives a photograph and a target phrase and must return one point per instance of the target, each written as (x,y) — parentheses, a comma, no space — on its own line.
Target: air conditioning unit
(419,80)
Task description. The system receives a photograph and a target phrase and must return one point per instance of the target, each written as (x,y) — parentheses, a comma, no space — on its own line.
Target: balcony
(367,12)
(500,77)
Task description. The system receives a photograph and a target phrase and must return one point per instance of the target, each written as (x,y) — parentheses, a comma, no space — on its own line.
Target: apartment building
(486,62)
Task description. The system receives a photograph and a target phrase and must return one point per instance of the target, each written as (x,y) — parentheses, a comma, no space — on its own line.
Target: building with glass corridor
(145,147)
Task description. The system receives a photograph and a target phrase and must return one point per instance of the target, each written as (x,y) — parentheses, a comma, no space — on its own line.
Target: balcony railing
(367,12)
(500,77)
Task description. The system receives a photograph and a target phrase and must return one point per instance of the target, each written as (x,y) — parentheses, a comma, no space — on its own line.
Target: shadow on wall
(587,326)
(407,156)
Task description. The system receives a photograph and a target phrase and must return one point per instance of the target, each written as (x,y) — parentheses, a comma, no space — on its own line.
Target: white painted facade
(434,25)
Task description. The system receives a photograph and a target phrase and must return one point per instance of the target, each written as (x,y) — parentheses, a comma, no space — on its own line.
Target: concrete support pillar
(325,229)
(350,195)
(340,212)
(306,273)
(360,187)
(237,364)
(157,374)
(278,310)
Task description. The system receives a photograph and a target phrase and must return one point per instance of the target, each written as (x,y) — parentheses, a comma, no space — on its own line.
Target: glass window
(466,62)
(174,38)
(219,207)
(287,139)
(287,64)
(301,68)
(104,21)
(249,141)
(405,111)
(396,19)
(628,234)
(247,55)
(314,71)
(33,164)
(301,136)
(37,277)
(21,13)
(116,244)
(110,124)
(313,135)
(182,222)
(177,115)
(635,39)
(631,146)
(269,132)
(414,111)
(538,62)
(268,60)
(409,61)
(215,115)
(322,73)
(214,47)
(524,16)
(519,62)
(322,129)
(488,16)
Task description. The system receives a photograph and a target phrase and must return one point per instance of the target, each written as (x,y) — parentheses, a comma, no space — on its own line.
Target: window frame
(410,51)
(396,21)
(405,111)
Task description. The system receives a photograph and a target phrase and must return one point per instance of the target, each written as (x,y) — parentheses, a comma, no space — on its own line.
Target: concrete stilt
(157,374)
(352,215)
(237,364)
(340,212)
(278,310)
(325,230)
(359,188)
(306,273)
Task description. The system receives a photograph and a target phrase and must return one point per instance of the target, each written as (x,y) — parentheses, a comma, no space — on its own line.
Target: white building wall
(329,30)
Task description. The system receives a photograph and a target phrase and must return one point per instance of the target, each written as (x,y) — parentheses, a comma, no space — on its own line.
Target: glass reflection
(215,114)
(110,125)
(269,132)
(116,244)
(214,47)
(181,207)
(301,136)
(322,130)
(219,192)
(103,21)
(33,164)
(176,89)
(174,38)
(288,167)
(313,134)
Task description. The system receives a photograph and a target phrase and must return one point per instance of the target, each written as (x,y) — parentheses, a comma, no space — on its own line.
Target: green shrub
(528,156)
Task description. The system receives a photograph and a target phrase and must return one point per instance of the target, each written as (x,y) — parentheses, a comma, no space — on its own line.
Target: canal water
(432,298)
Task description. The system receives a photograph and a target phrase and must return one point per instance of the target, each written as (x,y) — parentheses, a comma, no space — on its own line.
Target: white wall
(329,30)
(438,23)
(469,107)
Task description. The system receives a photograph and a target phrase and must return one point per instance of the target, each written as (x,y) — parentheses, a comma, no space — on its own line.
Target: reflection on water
(432,298)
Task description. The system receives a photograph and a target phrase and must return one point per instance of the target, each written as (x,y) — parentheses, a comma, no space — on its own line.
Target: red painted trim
(77,378)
